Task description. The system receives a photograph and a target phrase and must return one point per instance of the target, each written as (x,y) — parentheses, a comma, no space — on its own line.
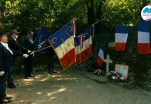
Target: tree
(90,11)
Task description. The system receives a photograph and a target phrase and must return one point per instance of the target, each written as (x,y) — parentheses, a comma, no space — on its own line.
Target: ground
(74,86)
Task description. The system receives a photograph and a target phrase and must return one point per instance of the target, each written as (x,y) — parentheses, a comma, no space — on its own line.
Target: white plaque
(122,70)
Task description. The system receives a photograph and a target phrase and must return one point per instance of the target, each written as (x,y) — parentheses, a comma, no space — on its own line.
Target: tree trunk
(99,12)
(90,11)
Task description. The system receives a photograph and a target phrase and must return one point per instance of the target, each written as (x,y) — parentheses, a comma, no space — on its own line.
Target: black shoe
(26,77)
(11,86)
(50,72)
(8,97)
(54,72)
(30,75)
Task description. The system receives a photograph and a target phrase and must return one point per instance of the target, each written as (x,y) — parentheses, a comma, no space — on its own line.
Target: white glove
(25,55)
(29,51)
(2,73)
(39,46)
(32,53)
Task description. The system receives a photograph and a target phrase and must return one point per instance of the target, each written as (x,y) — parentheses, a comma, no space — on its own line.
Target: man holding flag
(63,44)
(28,44)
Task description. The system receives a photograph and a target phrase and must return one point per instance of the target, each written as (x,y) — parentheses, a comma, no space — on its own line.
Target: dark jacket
(49,51)
(17,49)
(28,44)
(6,59)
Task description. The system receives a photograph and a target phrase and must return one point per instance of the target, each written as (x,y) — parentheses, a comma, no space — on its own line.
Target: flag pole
(41,49)
(93,38)
(41,43)
(93,42)
(95,23)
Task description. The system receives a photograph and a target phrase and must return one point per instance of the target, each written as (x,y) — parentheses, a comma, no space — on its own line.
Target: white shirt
(6,46)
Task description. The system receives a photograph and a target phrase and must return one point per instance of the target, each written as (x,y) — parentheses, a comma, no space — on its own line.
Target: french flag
(63,43)
(121,35)
(77,49)
(143,45)
(86,44)
(100,57)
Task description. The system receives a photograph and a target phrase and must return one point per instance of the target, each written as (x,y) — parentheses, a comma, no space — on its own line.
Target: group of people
(10,49)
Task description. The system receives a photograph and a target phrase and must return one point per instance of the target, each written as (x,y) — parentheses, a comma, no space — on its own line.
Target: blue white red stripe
(143,45)
(100,57)
(63,43)
(121,35)
(86,47)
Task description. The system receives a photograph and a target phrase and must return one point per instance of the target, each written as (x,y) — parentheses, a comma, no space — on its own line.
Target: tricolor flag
(121,35)
(100,57)
(143,45)
(63,43)
(77,49)
(86,44)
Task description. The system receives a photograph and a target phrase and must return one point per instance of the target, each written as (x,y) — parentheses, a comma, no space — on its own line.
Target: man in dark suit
(6,63)
(18,50)
(28,44)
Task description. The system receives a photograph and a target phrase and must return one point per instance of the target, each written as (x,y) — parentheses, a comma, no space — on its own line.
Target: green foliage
(32,14)
(124,12)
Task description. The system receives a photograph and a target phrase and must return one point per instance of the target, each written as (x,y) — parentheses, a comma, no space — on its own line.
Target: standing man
(6,64)
(18,50)
(51,56)
(28,44)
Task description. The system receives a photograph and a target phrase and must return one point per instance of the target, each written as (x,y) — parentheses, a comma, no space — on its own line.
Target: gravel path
(70,87)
